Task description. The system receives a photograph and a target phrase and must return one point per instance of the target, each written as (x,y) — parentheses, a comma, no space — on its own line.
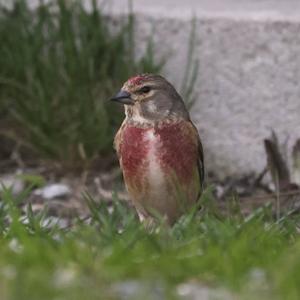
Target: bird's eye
(145,89)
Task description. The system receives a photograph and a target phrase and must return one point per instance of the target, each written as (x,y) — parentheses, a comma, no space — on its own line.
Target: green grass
(59,65)
(245,256)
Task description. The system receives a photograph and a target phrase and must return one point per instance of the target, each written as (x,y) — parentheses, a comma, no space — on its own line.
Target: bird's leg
(148,222)
(141,216)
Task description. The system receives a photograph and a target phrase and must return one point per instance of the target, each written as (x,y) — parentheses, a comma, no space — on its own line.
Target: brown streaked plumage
(159,149)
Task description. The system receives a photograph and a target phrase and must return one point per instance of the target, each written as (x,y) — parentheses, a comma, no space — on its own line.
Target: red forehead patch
(136,80)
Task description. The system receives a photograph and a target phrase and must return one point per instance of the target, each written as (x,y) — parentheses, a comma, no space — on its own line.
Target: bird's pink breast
(133,150)
(175,151)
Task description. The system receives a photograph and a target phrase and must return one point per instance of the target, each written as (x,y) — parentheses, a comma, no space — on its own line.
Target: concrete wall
(248,83)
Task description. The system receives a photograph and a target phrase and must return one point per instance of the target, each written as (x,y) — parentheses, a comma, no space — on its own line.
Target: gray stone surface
(257,9)
(248,83)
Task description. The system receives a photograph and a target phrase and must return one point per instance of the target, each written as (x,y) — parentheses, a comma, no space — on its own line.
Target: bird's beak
(123,97)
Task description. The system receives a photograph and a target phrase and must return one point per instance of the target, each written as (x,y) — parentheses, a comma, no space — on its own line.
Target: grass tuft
(59,65)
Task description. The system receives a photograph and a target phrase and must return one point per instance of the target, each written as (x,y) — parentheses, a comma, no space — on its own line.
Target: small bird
(159,149)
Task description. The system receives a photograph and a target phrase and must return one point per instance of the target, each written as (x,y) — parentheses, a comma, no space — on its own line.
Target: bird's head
(150,98)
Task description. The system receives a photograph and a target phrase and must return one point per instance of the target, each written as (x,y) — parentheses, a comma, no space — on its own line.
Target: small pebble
(53,191)
(12,182)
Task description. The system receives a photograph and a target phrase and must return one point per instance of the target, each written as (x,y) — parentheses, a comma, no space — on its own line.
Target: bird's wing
(200,161)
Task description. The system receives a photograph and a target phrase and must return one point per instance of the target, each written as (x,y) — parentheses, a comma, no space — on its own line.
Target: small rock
(219,190)
(12,182)
(53,191)
(54,221)
(133,289)
(15,246)
(64,277)
(196,291)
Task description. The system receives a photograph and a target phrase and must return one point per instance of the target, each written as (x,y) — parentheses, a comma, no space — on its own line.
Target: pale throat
(133,115)
(149,116)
